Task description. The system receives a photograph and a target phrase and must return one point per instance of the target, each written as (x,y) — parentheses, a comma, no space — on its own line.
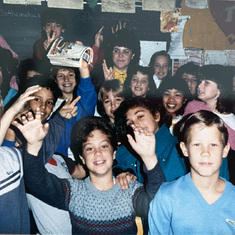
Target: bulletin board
(201,31)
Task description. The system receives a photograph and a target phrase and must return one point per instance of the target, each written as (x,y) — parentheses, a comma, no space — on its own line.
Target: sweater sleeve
(142,198)
(57,127)
(40,183)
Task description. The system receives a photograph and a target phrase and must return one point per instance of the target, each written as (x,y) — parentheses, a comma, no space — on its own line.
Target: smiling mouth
(67,85)
(99,162)
(138,88)
(171,106)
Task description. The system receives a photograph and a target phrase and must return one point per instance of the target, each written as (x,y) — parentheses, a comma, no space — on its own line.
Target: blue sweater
(86,107)
(179,208)
(171,163)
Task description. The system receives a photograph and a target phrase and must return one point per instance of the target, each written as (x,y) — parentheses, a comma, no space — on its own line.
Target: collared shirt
(120,75)
(156,80)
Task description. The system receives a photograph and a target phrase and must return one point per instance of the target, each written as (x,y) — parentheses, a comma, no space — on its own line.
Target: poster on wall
(23,2)
(195,55)
(121,6)
(176,50)
(169,21)
(158,5)
(69,4)
(148,48)
(224,57)
(198,4)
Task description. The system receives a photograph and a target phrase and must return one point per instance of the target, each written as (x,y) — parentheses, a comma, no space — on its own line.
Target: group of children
(87,150)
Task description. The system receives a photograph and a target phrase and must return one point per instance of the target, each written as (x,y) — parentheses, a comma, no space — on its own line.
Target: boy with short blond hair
(200,202)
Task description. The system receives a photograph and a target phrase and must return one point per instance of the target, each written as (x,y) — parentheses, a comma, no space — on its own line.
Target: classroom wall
(20,25)
(201,31)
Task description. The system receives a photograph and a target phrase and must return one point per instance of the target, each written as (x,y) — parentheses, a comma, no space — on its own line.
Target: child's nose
(66,78)
(97,152)
(205,152)
(53,26)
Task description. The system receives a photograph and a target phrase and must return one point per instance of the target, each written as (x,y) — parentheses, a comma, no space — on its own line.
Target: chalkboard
(20,25)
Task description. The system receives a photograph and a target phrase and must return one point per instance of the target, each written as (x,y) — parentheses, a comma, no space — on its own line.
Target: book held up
(70,54)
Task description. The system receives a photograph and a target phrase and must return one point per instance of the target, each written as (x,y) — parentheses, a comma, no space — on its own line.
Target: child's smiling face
(172,101)
(45,100)
(161,66)
(98,154)
(139,84)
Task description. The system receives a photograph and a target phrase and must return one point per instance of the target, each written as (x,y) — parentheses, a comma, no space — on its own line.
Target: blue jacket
(86,107)
(172,164)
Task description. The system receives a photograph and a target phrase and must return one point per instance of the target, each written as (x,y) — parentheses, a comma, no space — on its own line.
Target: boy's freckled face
(142,117)
(139,84)
(45,100)
(98,154)
(66,80)
(205,150)
(161,67)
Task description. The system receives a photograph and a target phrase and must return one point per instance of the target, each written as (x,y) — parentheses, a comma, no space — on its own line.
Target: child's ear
(184,149)
(226,150)
(133,55)
(114,155)
(157,116)
(83,161)
(62,30)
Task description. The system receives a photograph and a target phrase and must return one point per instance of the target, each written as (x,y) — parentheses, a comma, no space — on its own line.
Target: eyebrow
(85,144)
(138,111)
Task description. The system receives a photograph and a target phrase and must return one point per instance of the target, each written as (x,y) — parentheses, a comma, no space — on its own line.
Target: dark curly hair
(123,38)
(53,15)
(83,128)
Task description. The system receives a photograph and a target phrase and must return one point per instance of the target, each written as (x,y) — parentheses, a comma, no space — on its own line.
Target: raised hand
(108,73)
(144,144)
(99,38)
(49,40)
(24,98)
(69,110)
(15,109)
(119,26)
(33,130)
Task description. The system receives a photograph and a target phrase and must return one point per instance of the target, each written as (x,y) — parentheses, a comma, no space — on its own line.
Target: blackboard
(20,25)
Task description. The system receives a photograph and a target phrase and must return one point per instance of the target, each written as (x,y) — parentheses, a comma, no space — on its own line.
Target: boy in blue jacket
(139,112)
